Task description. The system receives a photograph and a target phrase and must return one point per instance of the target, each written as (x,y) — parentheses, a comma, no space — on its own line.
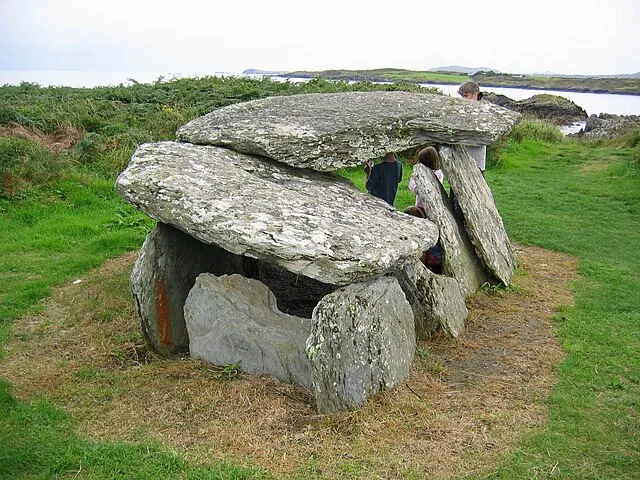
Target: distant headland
(626,84)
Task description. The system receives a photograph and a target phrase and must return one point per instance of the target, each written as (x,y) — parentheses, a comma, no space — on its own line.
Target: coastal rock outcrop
(552,108)
(264,257)
(607,125)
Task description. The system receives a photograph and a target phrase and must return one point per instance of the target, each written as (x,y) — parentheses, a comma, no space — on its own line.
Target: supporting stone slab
(436,300)
(232,319)
(459,259)
(164,272)
(362,341)
(481,217)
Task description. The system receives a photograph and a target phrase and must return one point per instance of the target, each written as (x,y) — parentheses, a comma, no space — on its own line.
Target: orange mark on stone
(162,312)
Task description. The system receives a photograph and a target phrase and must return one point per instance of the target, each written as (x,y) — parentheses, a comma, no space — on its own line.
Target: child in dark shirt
(383,178)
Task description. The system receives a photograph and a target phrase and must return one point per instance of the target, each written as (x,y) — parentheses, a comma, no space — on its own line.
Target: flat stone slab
(329,131)
(459,259)
(482,220)
(314,224)
(232,319)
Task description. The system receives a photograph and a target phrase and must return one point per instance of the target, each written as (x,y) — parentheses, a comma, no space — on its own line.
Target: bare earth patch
(63,138)
(464,407)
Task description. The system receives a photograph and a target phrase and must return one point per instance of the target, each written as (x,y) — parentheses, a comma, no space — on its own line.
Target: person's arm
(371,179)
(412,185)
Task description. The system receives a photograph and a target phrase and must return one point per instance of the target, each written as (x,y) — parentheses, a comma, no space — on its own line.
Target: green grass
(581,199)
(584,201)
(37,442)
(52,237)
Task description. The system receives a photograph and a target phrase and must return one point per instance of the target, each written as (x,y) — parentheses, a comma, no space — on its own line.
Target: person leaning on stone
(471,91)
(383,178)
(428,157)
(432,258)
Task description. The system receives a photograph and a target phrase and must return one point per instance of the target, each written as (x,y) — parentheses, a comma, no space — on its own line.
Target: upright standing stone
(437,301)
(482,220)
(362,341)
(164,272)
(459,259)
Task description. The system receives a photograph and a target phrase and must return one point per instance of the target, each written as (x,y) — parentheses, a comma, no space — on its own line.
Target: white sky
(200,37)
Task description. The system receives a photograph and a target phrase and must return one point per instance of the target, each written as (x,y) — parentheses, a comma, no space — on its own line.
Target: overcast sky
(200,37)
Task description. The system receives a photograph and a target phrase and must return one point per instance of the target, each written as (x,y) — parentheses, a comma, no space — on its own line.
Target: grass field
(579,199)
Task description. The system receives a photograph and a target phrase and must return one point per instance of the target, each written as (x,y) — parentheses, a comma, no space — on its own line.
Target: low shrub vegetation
(537,130)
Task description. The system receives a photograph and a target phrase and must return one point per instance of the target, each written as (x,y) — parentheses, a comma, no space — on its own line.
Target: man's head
(389,157)
(470,91)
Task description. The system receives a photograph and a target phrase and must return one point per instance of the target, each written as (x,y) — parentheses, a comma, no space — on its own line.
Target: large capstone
(329,131)
(312,224)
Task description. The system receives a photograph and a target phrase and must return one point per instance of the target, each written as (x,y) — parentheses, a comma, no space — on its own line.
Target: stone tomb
(264,257)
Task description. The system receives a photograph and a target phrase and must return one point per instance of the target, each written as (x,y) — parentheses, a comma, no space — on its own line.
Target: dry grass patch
(465,405)
(63,138)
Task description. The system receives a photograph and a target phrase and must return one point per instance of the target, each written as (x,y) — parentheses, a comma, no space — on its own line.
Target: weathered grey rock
(607,125)
(313,224)
(500,100)
(232,319)
(459,259)
(362,341)
(164,272)
(551,108)
(329,131)
(436,300)
(482,220)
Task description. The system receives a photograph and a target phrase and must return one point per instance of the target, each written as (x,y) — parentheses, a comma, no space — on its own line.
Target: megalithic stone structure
(248,203)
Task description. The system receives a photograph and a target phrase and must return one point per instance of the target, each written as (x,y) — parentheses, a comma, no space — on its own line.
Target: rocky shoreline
(561,112)
(607,125)
(545,88)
